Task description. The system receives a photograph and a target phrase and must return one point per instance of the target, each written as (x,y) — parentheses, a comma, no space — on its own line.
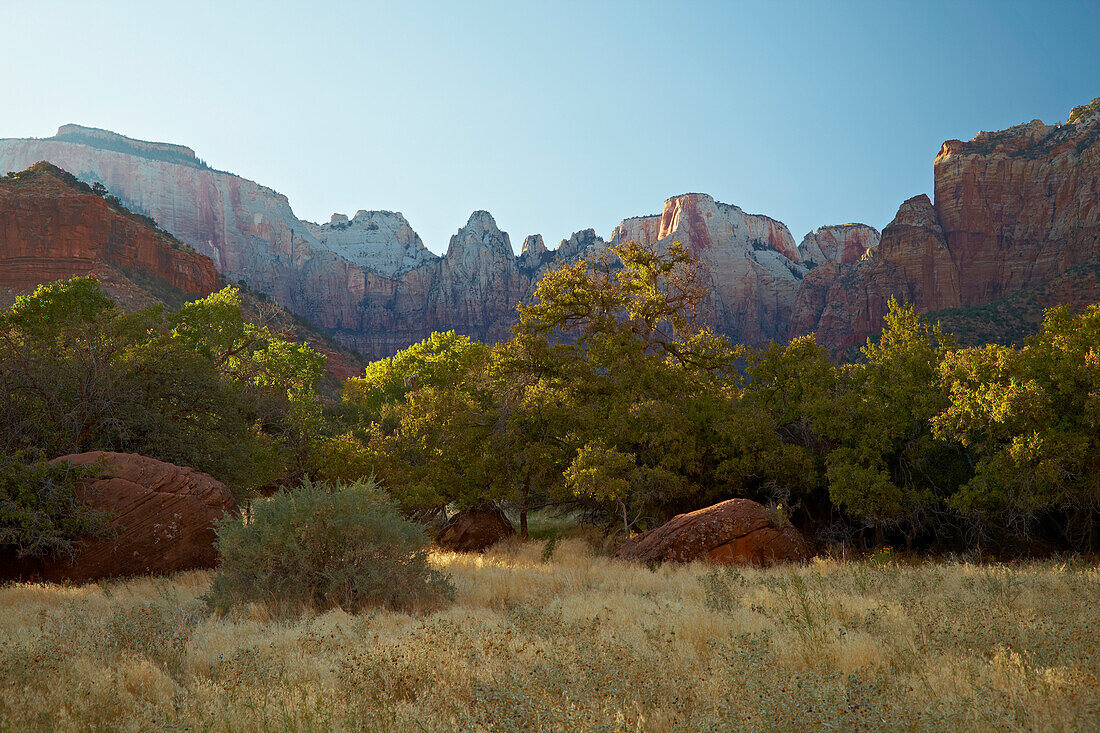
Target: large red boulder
(474,530)
(734,532)
(161,518)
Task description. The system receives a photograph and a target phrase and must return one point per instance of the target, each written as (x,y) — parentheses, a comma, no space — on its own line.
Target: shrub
(39,512)
(321,546)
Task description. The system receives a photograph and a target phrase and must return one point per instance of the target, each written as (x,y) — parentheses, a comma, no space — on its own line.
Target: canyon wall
(1013,210)
(368,279)
(53,227)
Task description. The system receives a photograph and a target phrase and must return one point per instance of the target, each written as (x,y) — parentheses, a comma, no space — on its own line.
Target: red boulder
(475,530)
(734,532)
(160,521)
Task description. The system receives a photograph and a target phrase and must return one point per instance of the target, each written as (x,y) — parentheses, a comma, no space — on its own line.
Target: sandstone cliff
(52,226)
(751,261)
(369,280)
(1013,210)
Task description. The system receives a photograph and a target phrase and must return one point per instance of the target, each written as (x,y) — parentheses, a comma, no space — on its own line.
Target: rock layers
(1013,210)
(369,281)
(750,260)
(52,227)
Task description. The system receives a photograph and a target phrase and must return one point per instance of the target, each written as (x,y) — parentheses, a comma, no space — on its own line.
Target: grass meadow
(565,638)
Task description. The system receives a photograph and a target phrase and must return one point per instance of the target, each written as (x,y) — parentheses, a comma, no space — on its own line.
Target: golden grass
(581,642)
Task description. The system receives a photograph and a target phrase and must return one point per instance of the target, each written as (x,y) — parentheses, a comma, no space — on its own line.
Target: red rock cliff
(52,227)
(1013,210)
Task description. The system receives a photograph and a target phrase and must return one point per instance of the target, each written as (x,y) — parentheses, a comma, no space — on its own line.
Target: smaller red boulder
(474,530)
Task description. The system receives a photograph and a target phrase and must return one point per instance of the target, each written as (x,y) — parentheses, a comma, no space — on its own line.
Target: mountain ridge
(370,281)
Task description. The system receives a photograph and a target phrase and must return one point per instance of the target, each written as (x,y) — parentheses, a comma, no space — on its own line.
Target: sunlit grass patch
(579,642)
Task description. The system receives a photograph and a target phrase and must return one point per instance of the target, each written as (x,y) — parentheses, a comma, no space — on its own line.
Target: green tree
(631,389)
(1031,418)
(886,466)
(201,387)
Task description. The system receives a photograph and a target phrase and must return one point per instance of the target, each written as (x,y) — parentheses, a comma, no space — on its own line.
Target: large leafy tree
(201,387)
(885,465)
(633,391)
(1031,418)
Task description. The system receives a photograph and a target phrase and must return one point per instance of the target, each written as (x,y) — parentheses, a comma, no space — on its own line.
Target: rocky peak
(840,243)
(579,243)
(702,224)
(479,236)
(382,241)
(533,244)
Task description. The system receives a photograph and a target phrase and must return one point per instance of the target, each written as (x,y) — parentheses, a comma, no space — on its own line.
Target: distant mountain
(1014,211)
(53,226)
(369,281)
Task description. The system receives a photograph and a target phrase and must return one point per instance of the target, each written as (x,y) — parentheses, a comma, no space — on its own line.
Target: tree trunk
(523,506)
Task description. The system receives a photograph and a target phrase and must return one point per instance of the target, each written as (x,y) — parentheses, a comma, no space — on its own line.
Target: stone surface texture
(475,530)
(1013,210)
(750,260)
(52,228)
(161,520)
(733,532)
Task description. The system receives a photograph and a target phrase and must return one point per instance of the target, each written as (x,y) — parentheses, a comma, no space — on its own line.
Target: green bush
(321,546)
(39,512)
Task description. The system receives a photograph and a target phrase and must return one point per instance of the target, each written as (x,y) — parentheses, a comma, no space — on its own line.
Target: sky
(554,116)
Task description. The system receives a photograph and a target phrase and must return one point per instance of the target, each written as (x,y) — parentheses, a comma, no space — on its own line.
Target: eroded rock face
(733,532)
(844,303)
(750,260)
(842,244)
(382,241)
(51,228)
(370,281)
(475,530)
(162,519)
(1013,210)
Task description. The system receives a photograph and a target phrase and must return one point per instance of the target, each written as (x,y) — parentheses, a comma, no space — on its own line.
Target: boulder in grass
(160,520)
(474,530)
(734,532)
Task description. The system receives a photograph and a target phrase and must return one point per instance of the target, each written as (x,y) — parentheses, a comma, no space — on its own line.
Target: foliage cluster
(200,387)
(1079,113)
(40,513)
(320,546)
(613,399)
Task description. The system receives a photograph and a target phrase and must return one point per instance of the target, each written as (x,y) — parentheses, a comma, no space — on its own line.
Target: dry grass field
(576,642)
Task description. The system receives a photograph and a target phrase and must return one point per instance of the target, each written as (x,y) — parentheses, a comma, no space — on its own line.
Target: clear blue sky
(554,116)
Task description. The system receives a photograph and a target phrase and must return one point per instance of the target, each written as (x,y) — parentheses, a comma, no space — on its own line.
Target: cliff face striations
(1013,210)
(52,227)
(370,281)
(751,261)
